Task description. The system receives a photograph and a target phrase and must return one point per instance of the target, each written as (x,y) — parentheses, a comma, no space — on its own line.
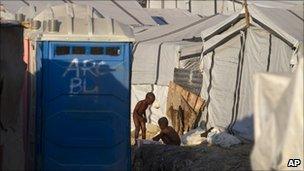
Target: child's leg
(137,128)
(143,129)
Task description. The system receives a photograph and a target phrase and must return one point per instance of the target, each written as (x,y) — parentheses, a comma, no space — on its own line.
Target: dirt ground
(200,157)
(152,130)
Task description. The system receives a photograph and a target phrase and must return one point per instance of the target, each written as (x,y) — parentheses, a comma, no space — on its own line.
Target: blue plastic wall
(83,107)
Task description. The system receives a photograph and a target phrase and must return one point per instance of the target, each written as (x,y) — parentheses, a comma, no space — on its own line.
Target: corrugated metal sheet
(191,80)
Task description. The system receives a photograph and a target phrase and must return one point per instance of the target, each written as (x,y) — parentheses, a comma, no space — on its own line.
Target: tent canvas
(155,58)
(156,51)
(207,8)
(173,16)
(127,12)
(233,53)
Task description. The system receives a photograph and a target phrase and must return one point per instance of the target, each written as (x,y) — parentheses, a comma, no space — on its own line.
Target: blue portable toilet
(82,85)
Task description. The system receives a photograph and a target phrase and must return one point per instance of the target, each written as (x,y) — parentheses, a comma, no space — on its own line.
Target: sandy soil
(152,130)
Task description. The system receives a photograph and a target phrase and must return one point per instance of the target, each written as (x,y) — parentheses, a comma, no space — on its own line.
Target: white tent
(173,16)
(157,52)
(127,12)
(278,116)
(203,8)
(233,53)
(210,7)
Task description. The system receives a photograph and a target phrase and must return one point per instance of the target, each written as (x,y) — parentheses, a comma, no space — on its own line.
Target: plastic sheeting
(222,139)
(278,108)
(193,137)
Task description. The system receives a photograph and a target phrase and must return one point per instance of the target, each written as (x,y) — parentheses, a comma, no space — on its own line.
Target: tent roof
(275,4)
(281,22)
(87,25)
(127,12)
(174,16)
(158,50)
(178,32)
(6,14)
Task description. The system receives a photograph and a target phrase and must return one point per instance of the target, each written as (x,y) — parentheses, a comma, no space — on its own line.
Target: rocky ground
(200,157)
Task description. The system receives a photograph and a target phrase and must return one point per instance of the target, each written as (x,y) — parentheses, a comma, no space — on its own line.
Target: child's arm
(136,109)
(160,135)
(157,137)
(145,117)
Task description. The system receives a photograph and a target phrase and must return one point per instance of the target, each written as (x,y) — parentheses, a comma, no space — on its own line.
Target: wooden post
(246,13)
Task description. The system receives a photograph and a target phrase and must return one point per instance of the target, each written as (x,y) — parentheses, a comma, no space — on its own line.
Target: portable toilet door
(83,105)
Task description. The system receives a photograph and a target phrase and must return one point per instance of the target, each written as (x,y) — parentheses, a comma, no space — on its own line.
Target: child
(139,115)
(167,134)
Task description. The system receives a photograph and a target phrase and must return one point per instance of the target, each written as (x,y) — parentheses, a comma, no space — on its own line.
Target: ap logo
(293,162)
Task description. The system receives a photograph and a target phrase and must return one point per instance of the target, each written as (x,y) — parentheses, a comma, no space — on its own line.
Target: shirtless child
(139,115)
(167,134)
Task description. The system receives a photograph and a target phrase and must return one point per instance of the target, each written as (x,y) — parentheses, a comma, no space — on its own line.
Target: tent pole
(215,7)
(246,13)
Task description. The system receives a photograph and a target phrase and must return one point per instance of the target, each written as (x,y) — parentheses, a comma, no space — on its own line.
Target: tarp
(278,116)
(233,54)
